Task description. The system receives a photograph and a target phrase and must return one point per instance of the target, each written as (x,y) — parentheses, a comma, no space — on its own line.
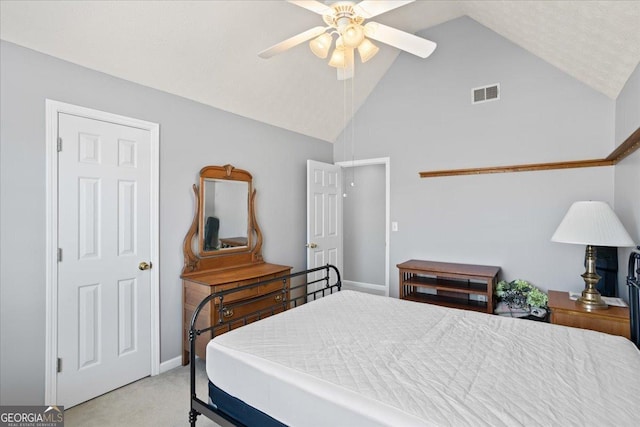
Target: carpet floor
(162,400)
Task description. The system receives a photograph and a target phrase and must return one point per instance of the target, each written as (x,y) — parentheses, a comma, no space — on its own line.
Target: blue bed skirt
(245,414)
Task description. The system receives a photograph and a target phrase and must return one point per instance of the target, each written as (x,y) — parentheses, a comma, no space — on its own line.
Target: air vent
(485,94)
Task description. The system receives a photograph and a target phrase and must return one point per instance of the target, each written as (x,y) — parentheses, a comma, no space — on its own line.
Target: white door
(104,303)
(324,216)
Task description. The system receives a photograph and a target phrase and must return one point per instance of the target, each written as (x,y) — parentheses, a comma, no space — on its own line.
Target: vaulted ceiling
(207,50)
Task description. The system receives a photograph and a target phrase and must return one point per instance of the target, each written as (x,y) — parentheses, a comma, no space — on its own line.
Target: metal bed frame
(633,282)
(199,407)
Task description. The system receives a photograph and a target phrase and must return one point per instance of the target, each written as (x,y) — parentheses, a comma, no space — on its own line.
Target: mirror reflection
(225,219)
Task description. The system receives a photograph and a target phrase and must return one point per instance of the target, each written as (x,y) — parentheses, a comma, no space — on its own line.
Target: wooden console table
(453,284)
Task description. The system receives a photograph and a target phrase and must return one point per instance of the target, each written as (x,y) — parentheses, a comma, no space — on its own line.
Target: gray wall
(364,224)
(191,136)
(420,115)
(627,176)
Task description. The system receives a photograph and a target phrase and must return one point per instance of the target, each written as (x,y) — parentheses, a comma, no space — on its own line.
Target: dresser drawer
(196,292)
(251,309)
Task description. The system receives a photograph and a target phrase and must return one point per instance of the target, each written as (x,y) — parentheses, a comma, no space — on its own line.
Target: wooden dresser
(198,286)
(222,250)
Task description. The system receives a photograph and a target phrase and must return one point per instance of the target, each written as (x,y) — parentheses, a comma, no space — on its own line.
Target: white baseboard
(170,364)
(364,287)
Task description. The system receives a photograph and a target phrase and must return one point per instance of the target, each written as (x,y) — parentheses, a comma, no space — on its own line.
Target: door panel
(104,300)
(324,216)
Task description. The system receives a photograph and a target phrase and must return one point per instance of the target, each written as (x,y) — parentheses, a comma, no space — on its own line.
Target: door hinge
(59,144)
(59,254)
(59,365)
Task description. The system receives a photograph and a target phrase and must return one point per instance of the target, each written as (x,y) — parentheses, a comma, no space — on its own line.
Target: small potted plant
(521,297)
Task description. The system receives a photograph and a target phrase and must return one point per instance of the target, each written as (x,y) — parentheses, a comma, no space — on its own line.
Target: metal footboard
(633,282)
(312,288)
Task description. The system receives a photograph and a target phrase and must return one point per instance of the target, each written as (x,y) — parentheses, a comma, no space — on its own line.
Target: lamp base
(592,301)
(590,298)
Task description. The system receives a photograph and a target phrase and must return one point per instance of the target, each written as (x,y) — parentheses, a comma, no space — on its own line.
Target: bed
(361,360)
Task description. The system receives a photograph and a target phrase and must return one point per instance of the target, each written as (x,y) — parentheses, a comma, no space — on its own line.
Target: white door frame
(53,108)
(387,202)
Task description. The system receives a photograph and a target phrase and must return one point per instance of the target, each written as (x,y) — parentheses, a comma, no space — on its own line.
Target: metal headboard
(329,283)
(633,282)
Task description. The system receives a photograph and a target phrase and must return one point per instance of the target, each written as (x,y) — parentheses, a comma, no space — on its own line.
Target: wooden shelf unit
(453,284)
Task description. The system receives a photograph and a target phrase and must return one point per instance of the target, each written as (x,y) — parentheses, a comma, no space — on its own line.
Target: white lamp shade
(592,223)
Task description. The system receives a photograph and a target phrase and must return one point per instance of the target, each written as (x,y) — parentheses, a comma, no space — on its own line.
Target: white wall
(420,115)
(627,172)
(192,135)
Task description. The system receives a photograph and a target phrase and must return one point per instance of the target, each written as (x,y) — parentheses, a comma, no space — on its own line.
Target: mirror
(225,215)
(224,221)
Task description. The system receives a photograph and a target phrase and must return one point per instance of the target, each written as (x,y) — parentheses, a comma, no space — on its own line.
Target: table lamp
(592,223)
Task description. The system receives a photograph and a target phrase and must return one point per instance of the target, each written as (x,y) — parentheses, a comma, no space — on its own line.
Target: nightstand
(564,311)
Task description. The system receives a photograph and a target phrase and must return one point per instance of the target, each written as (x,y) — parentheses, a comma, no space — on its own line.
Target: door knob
(312,245)
(144,266)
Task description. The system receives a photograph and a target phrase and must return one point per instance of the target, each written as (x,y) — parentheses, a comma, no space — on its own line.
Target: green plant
(520,293)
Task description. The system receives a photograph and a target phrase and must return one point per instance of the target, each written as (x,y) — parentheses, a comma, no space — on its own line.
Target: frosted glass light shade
(367,50)
(353,35)
(320,45)
(337,58)
(592,223)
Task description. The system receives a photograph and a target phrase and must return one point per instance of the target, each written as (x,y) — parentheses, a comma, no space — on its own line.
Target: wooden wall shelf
(630,145)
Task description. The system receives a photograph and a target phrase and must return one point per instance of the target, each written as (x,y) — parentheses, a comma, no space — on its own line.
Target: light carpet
(162,400)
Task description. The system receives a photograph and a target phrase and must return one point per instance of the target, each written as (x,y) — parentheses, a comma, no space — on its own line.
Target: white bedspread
(354,359)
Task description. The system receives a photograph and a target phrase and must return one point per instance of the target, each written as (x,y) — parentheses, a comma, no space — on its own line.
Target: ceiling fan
(345,19)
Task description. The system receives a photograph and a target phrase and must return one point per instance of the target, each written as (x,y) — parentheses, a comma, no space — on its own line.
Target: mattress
(357,359)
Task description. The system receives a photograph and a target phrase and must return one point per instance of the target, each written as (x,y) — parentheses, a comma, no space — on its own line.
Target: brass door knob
(312,245)
(144,266)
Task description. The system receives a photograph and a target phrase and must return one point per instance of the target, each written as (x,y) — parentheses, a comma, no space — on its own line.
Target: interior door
(104,302)
(324,216)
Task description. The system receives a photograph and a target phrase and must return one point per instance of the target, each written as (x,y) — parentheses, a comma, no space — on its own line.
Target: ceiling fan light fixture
(367,50)
(353,35)
(346,19)
(338,59)
(320,45)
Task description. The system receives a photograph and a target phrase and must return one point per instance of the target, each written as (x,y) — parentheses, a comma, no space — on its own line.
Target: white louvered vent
(485,93)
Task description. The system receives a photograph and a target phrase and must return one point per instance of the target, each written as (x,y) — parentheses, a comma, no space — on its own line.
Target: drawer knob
(278,298)
(227,312)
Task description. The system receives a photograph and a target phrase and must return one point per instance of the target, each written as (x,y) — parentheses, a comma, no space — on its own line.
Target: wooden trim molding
(631,144)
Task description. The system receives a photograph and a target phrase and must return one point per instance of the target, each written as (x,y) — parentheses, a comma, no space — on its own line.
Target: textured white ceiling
(207,50)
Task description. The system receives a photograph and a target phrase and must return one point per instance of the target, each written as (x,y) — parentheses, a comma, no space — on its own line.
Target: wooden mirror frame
(233,257)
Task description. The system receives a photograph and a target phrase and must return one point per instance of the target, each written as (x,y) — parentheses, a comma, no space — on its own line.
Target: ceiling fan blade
(291,42)
(368,8)
(396,38)
(313,6)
